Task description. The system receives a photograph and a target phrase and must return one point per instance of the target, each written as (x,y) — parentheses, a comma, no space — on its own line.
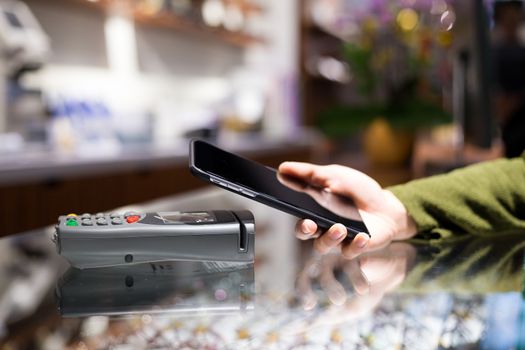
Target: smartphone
(261,183)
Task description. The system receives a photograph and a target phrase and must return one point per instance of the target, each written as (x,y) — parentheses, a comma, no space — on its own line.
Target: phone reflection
(157,288)
(339,205)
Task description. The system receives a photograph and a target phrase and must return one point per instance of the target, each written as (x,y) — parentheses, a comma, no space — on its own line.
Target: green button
(72,222)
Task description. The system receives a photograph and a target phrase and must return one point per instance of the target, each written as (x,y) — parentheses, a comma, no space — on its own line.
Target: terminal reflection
(157,288)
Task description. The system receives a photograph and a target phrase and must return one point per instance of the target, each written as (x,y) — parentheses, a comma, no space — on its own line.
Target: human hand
(383,214)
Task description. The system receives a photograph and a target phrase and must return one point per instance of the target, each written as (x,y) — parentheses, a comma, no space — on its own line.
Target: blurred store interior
(98,98)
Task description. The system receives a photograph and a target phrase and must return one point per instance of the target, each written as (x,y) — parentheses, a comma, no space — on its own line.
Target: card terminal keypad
(102,219)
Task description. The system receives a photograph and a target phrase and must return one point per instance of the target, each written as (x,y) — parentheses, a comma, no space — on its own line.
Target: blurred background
(98,98)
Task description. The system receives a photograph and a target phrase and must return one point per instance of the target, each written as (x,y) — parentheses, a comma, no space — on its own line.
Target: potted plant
(395,72)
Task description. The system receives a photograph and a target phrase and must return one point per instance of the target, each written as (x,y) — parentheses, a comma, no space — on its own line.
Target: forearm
(478,199)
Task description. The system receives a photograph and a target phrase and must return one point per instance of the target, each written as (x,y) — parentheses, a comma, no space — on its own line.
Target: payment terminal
(98,240)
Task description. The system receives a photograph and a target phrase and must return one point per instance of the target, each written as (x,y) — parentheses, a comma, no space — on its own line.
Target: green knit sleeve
(480,199)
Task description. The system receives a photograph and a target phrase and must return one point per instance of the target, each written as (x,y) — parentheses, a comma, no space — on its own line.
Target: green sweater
(480,199)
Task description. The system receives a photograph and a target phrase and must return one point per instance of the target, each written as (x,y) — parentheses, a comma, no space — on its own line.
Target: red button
(133,218)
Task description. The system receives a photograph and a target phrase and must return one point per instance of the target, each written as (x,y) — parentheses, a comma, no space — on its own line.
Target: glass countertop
(462,293)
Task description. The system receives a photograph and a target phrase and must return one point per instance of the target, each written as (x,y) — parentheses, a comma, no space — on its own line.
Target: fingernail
(336,235)
(362,242)
(310,227)
(309,302)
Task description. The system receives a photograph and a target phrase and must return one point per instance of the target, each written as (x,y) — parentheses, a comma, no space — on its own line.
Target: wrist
(405,226)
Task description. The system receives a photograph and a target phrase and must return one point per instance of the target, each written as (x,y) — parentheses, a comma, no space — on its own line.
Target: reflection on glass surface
(420,296)
(465,293)
(462,293)
(342,206)
(173,287)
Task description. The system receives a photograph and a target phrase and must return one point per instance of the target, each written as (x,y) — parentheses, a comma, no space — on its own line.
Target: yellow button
(71,215)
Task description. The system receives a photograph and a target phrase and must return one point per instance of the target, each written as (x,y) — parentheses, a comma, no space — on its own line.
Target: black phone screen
(264,181)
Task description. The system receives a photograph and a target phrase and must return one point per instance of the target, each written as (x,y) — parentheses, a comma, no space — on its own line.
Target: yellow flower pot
(387,146)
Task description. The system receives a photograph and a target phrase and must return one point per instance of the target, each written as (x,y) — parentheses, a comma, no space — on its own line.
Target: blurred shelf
(245,6)
(322,80)
(170,20)
(318,91)
(316,29)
